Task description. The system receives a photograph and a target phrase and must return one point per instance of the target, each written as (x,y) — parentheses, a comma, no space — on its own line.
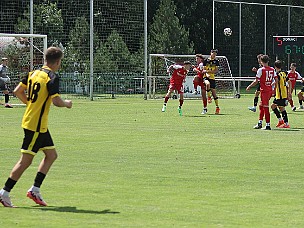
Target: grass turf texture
(124,163)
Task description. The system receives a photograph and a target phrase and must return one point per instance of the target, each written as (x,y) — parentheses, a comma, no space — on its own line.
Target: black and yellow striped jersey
(281,89)
(41,86)
(211,64)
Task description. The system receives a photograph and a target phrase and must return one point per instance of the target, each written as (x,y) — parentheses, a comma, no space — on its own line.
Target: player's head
(265,59)
(259,56)
(293,66)
(213,53)
(278,64)
(53,56)
(187,65)
(4,60)
(199,58)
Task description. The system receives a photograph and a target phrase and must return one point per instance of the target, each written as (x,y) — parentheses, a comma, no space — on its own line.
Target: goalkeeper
(4,79)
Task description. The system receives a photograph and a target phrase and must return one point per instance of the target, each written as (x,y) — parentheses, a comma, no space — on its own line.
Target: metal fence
(118,44)
(253,27)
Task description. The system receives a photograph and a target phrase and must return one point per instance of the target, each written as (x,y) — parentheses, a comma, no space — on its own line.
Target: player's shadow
(71,210)
(209,115)
(286,130)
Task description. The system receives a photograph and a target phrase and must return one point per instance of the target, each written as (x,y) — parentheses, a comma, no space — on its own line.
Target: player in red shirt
(199,80)
(267,77)
(293,76)
(176,83)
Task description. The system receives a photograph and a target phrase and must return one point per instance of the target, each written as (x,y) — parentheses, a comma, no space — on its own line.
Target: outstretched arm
(57,101)
(252,84)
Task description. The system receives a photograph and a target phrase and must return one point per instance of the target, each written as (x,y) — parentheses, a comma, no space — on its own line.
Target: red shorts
(200,81)
(178,88)
(265,97)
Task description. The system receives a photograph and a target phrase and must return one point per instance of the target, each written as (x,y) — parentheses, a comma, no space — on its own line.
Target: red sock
(205,103)
(291,102)
(181,102)
(261,112)
(195,84)
(267,114)
(166,99)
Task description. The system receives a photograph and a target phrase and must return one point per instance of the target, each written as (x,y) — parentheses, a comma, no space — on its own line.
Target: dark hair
(278,64)
(265,58)
(259,56)
(199,56)
(214,50)
(53,54)
(293,64)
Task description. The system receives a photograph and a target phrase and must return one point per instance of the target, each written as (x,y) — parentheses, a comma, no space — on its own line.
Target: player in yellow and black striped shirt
(38,90)
(282,94)
(210,69)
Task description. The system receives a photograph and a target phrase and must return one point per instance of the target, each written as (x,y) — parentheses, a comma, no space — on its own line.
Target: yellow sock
(209,93)
(216,102)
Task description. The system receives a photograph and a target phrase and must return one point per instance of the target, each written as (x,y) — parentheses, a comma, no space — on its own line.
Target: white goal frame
(44,37)
(151,82)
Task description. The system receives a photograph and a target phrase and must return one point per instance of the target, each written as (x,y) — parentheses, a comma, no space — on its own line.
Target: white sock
(34,189)
(4,193)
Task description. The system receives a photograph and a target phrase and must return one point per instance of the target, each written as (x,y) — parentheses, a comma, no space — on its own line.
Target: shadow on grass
(71,210)
(211,114)
(284,129)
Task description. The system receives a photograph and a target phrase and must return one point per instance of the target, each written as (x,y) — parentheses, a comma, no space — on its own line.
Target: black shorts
(3,85)
(212,83)
(281,102)
(35,141)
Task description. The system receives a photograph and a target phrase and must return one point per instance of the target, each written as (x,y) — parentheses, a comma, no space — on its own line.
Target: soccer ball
(227,31)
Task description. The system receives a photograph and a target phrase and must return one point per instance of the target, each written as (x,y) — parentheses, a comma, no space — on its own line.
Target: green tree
(47,20)
(121,55)
(77,50)
(167,35)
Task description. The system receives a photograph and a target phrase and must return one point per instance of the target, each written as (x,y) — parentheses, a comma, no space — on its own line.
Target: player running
(293,76)
(176,83)
(282,95)
(265,75)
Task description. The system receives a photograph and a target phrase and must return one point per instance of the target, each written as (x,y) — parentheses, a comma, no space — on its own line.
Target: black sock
(300,102)
(9,184)
(255,101)
(277,113)
(39,179)
(6,98)
(285,117)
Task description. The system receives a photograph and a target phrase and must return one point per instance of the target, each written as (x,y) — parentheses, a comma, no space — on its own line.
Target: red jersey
(293,77)
(199,70)
(178,75)
(266,76)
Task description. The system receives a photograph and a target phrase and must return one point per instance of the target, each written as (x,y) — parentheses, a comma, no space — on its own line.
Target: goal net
(24,52)
(158,79)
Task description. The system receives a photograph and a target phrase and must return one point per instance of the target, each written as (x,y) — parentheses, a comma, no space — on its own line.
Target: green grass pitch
(124,163)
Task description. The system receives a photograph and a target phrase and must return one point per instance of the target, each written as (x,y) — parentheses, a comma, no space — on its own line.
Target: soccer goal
(158,78)
(25,52)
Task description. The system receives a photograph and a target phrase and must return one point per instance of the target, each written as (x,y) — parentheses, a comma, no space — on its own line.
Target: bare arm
(57,101)
(252,84)
(19,91)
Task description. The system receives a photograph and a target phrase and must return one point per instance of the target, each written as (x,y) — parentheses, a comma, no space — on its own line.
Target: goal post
(25,52)
(158,78)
